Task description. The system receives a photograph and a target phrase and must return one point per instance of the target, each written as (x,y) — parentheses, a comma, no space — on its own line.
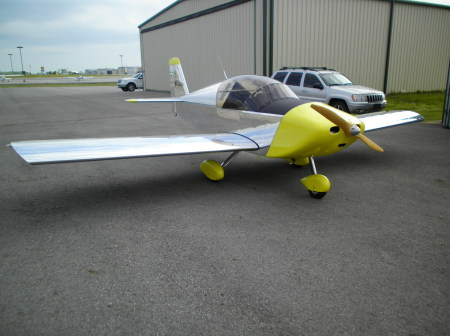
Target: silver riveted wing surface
(72,150)
(377,120)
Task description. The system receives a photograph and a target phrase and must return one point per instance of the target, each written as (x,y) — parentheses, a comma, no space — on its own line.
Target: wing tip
(385,119)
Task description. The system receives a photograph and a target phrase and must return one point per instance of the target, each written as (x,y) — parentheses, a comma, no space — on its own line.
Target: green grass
(428,104)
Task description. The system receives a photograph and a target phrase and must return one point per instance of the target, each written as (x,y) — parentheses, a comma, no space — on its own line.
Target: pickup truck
(330,87)
(132,83)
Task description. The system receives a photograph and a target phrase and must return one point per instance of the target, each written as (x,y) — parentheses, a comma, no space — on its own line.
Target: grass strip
(428,104)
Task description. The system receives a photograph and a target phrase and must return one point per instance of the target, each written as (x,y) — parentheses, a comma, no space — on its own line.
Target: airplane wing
(8,77)
(378,120)
(79,78)
(248,139)
(73,150)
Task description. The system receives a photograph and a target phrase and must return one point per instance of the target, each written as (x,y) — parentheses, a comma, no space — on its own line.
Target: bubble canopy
(251,93)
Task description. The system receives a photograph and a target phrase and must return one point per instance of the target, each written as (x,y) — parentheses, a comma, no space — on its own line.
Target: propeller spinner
(349,129)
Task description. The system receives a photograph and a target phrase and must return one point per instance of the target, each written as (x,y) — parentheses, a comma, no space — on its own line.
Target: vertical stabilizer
(178,85)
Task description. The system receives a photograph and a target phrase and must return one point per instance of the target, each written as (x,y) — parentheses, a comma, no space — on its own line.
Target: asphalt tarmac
(151,247)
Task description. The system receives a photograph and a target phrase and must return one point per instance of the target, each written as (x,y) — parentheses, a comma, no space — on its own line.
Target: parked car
(331,87)
(132,83)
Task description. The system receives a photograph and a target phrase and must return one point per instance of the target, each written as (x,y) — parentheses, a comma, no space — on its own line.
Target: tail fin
(178,86)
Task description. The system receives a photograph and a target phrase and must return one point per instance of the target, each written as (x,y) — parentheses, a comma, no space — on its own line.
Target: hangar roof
(434,3)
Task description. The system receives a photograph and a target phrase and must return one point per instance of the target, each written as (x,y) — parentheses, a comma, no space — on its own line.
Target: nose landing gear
(317,185)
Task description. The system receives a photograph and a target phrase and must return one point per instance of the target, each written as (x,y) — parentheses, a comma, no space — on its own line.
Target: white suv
(331,87)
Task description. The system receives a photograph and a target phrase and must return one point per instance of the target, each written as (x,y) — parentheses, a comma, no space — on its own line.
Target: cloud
(75,34)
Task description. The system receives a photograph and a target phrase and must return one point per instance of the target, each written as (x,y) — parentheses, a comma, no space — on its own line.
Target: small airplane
(79,78)
(4,78)
(249,113)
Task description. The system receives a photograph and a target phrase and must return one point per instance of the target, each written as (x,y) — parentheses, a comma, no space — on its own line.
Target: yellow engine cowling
(303,132)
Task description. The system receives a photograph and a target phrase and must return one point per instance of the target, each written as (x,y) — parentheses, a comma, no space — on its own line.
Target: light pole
(121,63)
(10,59)
(20,50)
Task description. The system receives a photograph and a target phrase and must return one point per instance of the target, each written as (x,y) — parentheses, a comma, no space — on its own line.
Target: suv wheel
(131,87)
(124,89)
(340,105)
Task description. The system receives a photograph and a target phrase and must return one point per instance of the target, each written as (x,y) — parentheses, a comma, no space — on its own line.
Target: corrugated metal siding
(347,35)
(228,33)
(258,25)
(184,8)
(420,48)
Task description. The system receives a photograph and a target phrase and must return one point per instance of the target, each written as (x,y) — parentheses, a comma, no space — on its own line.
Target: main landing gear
(316,184)
(214,170)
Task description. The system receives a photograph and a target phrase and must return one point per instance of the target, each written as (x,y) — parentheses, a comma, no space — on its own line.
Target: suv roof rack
(306,68)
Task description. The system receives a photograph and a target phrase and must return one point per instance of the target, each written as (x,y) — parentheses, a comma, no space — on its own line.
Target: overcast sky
(75,34)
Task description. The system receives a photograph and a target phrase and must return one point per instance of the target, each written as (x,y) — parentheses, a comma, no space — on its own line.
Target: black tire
(131,87)
(316,194)
(296,166)
(125,89)
(340,105)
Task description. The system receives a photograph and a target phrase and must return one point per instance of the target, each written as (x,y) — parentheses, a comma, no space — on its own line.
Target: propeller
(349,130)
(369,143)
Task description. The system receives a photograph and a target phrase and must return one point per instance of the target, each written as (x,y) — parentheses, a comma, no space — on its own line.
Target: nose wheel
(317,185)
(316,194)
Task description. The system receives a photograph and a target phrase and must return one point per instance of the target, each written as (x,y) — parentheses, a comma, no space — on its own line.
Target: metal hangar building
(391,45)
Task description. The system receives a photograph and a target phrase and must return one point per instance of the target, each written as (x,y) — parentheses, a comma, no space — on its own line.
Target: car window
(310,80)
(335,79)
(280,76)
(294,78)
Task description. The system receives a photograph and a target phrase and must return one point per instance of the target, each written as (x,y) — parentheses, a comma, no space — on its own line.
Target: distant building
(129,70)
(90,71)
(107,71)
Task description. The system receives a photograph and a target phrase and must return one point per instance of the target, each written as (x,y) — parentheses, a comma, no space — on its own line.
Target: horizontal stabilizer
(206,96)
(377,120)
(72,150)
